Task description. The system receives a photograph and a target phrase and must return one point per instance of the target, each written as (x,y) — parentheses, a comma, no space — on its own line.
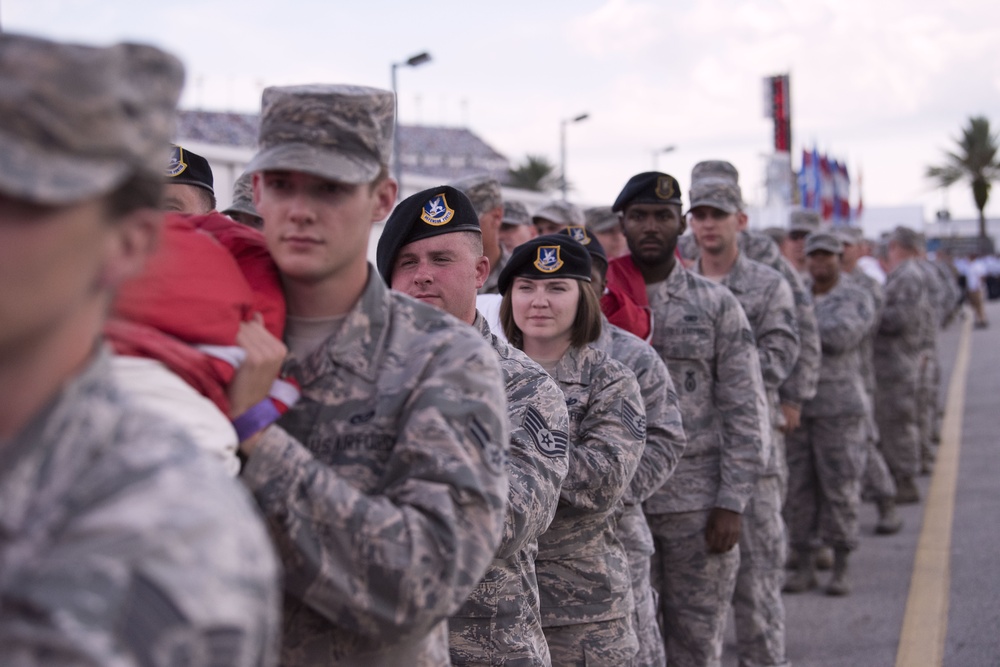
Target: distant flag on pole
(845,200)
(817,180)
(805,176)
(860,208)
(825,189)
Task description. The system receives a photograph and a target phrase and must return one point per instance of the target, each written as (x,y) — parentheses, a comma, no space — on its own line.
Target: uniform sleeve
(846,320)
(665,439)
(538,461)
(145,567)
(899,313)
(609,442)
(800,385)
(739,401)
(397,561)
(778,336)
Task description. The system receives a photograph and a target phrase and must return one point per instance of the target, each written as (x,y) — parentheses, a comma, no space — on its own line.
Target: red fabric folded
(625,302)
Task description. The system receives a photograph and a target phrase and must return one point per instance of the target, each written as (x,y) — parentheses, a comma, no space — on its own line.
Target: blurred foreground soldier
(906,313)
(665,442)
(801,223)
(716,217)
(556,216)
(384,487)
(702,334)
(487,198)
(515,226)
(441,263)
(826,454)
(190,186)
(242,209)
(121,543)
(605,225)
(877,482)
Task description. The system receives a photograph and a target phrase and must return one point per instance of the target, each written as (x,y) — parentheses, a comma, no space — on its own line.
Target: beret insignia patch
(664,187)
(177,165)
(578,234)
(548,259)
(437,212)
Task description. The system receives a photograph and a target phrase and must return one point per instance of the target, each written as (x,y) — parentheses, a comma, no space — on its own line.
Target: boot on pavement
(838,583)
(889,522)
(803,577)
(824,558)
(907,492)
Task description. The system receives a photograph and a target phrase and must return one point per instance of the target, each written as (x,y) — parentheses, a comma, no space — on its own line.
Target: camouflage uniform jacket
(705,339)
(385,486)
(866,348)
(122,543)
(665,439)
(845,315)
(769,305)
(499,624)
(583,573)
(490,286)
(906,313)
(937,296)
(800,385)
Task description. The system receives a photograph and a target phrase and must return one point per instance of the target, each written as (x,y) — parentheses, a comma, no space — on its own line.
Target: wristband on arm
(256,419)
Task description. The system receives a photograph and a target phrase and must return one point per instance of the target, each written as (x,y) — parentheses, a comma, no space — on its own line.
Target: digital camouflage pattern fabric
(122,543)
(385,486)
(499,624)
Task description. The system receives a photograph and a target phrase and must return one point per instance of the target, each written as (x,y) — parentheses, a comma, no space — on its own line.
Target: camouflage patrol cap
(803,220)
(482,190)
(600,218)
(515,213)
(338,132)
(650,187)
(432,212)
(189,168)
(77,121)
(549,256)
(850,235)
(718,169)
(906,238)
(718,193)
(243,196)
(560,212)
(827,241)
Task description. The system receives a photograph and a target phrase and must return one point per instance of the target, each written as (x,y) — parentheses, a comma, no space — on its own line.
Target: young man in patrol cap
(190,186)
(431,249)
(385,485)
(716,217)
(122,543)
(701,332)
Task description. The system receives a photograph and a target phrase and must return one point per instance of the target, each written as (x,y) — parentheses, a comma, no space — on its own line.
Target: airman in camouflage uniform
(898,346)
(487,198)
(877,483)
(826,455)
(665,442)
(499,624)
(702,333)
(928,408)
(583,573)
(385,486)
(716,217)
(120,542)
(242,209)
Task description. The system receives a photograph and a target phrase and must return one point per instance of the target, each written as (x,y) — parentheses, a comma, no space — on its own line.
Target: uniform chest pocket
(691,360)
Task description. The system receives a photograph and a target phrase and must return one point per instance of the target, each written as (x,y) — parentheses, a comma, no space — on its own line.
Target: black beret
(440,210)
(649,187)
(582,236)
(550,256)
(189,168)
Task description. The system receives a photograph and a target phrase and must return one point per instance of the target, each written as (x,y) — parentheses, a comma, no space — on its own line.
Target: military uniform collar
(569,367)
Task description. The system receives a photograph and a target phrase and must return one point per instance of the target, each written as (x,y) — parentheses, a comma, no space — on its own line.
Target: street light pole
(397,164)
(562,149)
(660,151)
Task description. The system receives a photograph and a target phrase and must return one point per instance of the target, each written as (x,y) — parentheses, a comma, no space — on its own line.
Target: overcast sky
(884,85)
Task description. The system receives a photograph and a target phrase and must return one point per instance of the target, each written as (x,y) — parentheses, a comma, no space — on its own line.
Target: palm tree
(974,160)
(535,173)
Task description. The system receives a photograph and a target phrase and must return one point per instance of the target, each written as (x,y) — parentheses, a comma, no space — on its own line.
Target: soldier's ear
(384,193)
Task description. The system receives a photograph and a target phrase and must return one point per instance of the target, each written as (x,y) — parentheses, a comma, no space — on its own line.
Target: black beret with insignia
(649,187)
(432,212)
(593,246)
(189,168)
(550,256)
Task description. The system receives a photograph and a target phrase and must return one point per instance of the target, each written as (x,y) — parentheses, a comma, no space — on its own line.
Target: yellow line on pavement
(925,623)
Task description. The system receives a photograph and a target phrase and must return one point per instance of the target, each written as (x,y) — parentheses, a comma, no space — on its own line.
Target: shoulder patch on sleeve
(553,444)
(634,420)
(492,452)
